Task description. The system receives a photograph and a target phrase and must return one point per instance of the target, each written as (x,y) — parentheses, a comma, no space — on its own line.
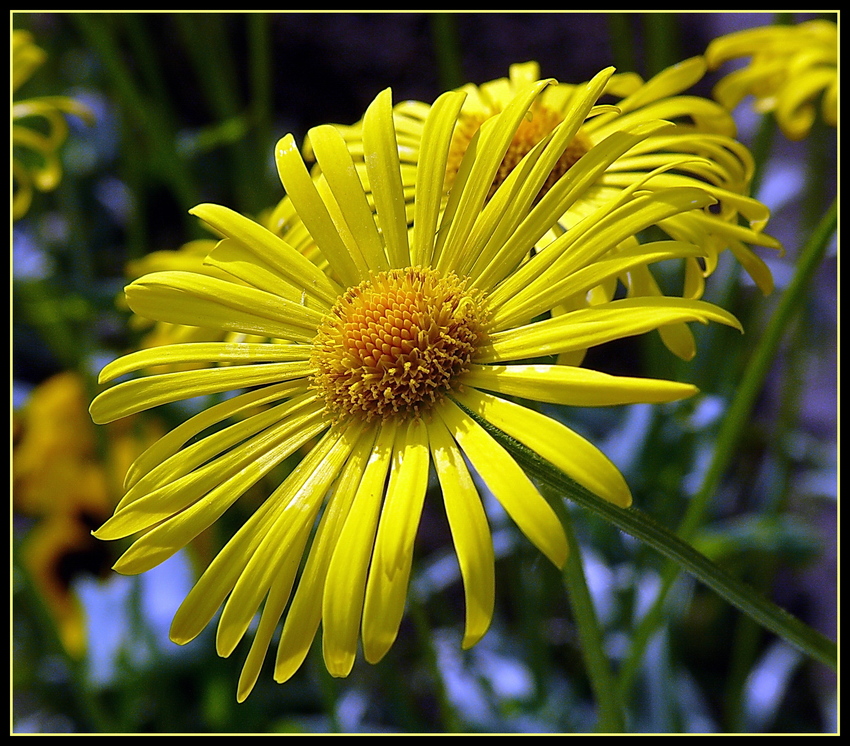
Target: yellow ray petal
(143,393)
(382,165)
(192,299)
(202,352)
(509,483)
(346,581)
(556,443)
(571,386)
(196,458)
(216,582)
(470,532)
(386,587)
(175,439)
(304,615)
(341,175)
(165,539)
(431,174)
(593,326)
(270,248)
(278,555)
(313,211)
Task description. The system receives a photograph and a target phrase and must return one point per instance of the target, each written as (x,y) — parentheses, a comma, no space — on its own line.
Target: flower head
(696,149)
(38,128)
(789,68)
(384,357)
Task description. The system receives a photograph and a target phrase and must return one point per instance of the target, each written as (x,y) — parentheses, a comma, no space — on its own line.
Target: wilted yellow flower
(38,128)
(790,67)
(384,360)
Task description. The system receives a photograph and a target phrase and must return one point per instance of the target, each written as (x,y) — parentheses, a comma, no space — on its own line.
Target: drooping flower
(39,128)
(384,358)
(789,69)
(698,149)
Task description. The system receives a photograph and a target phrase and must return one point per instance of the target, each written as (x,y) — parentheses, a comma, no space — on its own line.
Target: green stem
(260,54)
(206,39)
(673,547)
(590,633)
(747,635)
(137,108)
(661,41)
(447,50)
(622,42)
(450,720)
(733,426)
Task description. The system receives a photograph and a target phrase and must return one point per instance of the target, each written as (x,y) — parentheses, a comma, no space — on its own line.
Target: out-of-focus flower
(67,488)
(697,148)
(790,67)
(384,358)
(39,127)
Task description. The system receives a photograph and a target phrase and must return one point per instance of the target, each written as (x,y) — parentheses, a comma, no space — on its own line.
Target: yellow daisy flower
(789,68)
(382,366)
(703,133)
(38,128)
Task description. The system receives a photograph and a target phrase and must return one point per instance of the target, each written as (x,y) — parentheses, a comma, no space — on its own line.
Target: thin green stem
(747,635)
(733,427)
(449,717)
(622,41)
(447,50)
(156,130)
(661,41)
(590,632)
(205,36)
(673,547)
(260,61)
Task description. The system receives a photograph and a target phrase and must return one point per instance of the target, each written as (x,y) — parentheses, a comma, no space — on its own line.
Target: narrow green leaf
(642,527)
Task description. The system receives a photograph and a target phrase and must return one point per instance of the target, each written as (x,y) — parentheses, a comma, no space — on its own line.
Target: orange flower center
(532,130)
(396,343)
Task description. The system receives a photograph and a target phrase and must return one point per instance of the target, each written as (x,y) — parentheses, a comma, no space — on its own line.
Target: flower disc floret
(396,343)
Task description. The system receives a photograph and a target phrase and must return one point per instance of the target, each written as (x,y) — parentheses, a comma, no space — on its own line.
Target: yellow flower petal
(555,442)
(593,326)
(162,541)
(577,387)
(305,614)
(170,443)
(201,352)
(431,174)
(346,581)
(509,483)
(386,588)
(198,300)
(144,393)
(382,166)
(314,212)
(341,175)
(470,532)
(269,248)
(272,567)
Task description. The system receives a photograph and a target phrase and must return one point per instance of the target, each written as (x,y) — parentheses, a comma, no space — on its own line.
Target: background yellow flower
(39,127)
(789,70)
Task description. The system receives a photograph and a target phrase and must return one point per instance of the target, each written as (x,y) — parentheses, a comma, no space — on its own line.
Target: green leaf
(642,527)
